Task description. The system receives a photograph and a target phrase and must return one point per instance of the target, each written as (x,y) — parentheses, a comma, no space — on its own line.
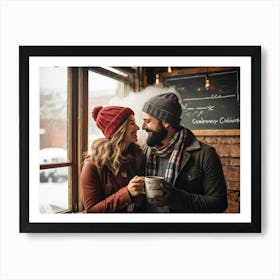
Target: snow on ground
(53,197)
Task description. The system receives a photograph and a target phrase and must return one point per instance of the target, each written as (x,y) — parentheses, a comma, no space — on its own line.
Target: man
(192,170)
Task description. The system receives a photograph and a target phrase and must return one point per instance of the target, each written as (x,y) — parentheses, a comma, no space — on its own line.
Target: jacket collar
(192,144)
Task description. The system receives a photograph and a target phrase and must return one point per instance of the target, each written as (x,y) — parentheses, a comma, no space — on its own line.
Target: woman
(108,178)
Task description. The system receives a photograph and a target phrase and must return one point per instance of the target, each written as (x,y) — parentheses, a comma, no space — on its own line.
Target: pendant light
(207,81)
(157,79)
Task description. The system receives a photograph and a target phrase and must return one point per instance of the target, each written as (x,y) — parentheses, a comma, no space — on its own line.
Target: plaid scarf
(173,150)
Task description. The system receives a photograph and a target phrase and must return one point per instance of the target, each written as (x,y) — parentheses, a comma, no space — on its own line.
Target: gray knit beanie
(164,107)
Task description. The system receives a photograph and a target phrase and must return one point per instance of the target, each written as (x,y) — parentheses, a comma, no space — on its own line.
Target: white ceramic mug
(154,186)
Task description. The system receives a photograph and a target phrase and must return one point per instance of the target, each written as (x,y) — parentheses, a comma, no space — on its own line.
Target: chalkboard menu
(215,108)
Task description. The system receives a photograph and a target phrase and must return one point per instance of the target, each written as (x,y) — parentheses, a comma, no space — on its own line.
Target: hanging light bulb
(207,81)
(169,69)
(157,79)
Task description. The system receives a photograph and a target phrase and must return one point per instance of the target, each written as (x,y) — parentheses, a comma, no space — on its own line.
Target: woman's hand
(136,186)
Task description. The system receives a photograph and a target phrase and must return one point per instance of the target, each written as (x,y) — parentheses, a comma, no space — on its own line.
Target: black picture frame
(254,225)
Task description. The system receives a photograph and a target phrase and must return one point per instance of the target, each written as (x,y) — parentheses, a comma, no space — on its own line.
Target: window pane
(53,107)
(53,188)
(101,90)
(52,155)
(53,191)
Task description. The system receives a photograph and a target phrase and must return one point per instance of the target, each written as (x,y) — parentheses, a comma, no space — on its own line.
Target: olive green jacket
(200,184)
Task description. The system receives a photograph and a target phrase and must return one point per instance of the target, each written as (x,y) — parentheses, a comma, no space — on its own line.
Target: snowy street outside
(53,197)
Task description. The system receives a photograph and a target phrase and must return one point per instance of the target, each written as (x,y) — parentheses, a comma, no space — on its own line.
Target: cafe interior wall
(227,144)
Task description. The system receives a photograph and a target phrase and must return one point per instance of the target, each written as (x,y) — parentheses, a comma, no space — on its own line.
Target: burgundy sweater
(102,191)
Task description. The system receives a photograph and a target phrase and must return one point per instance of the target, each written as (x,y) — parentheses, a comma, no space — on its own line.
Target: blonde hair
(113,153)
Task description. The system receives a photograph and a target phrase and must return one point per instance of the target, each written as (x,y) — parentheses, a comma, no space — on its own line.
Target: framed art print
(219,88)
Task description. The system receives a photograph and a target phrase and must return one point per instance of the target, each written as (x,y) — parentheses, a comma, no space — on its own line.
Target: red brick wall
(228,148)
(55,134)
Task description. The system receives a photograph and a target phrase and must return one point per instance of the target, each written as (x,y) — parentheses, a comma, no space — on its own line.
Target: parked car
(53,155)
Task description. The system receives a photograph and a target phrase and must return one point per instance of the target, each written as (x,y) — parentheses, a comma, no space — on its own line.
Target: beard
(155,138)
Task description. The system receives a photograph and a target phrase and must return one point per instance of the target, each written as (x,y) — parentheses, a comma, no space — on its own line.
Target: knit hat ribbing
(165,107)
(110,118)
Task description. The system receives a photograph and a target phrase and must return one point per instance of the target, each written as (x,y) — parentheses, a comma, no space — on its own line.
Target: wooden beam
(221,132)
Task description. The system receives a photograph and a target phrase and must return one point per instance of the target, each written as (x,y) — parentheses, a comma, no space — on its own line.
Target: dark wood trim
(82,125)
(55,165)
(110,74)
(127,70)
(194,70)
(72,136)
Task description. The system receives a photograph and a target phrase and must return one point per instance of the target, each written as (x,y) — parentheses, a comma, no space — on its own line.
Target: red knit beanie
(110,118)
